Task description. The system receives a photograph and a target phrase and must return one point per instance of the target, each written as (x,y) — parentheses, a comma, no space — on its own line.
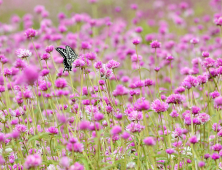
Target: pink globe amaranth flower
(125,135)
(174,114)
(202,79)
(190,81)
(201,164)
(77,166)
(194,41)
(208,62)
(44,72)
(195,110)
(120,91)
(105,72)
(76,147)
(61,83)
(134,127)
(64,162)
(170,151)
(159,106)
(29,75)
(220,133)
(215,156)
(85,45)
(142,104)
(79,63)
(53,130)
(214,94)
(206,156)
(155,44)
(218,21)
(149,82)
(7,72)
(218,102)
(3,59)
(116,130)
(45,56)
(205,54)
(149,141)
(98,65)
(30,33)
(98,116)
(49,49)
(138,29)
(84,125)
(136,58)
(193,139)
(203,118)
(216,147)
(216,127)
(136,41)
(91,56)
(175,99)
(39,9)
(112,64)
(33,161)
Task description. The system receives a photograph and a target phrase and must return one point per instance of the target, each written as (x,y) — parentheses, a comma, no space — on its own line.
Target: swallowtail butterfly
(69,56)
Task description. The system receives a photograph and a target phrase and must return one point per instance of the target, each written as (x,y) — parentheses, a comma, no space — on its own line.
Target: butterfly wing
(71,55)
(64,54)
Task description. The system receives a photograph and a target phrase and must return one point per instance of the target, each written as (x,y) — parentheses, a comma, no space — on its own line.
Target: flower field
(111,85)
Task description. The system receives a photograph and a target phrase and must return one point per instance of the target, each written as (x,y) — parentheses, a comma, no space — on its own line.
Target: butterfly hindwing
(71,55)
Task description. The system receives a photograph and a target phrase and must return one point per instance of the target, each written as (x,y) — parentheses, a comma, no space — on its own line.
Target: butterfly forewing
(62,52)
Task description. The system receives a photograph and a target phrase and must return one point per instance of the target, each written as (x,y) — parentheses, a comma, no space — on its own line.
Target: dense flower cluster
(144,91)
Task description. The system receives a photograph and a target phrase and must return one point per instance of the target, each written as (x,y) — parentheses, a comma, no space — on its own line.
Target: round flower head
(116,130)
(149,141)
(193,139)
(49,49)
(30,33)
(159,106)
(155,44)
(142,104)
(215,156)
(23,53)
(203,117)
(76,166)
(60,83)
(33,161)
(218,102)
(170,151)
(53,130)
(45,56)
(208,62)
(136,41)
(194,41)
(201,164)
(205,54)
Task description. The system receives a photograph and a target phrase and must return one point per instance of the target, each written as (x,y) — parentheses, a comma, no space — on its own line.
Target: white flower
(131,165)
(51,167)
(8,150)
(23,53)
(187,151)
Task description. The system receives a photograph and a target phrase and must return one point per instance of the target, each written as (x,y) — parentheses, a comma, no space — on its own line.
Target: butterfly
(69,56)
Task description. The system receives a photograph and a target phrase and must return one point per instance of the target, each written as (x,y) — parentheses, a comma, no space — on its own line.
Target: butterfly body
(69,56)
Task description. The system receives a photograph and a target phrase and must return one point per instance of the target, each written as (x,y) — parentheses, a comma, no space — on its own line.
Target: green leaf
(37,137)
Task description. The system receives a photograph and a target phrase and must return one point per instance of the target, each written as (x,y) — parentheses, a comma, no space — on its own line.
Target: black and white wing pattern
(71,55)
(64,54)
